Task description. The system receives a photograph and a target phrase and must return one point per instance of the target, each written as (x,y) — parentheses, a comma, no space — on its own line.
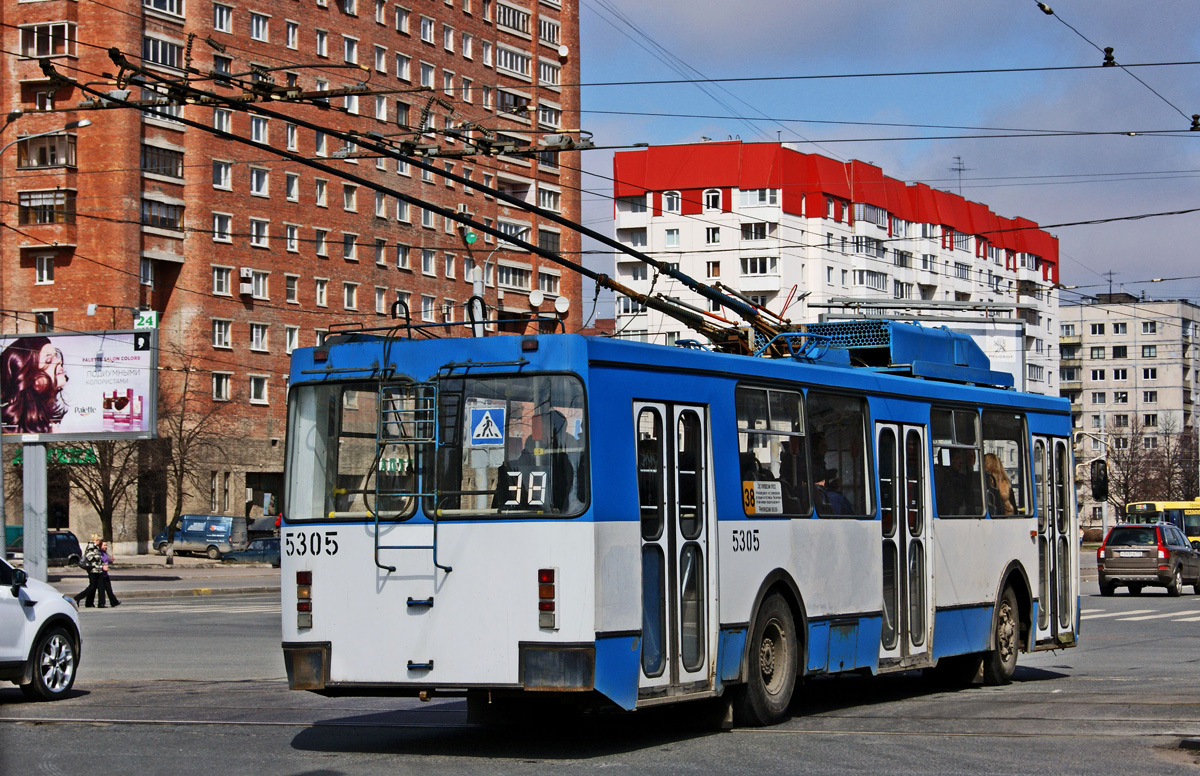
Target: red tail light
(547,599)
(303,599)
(1162,551)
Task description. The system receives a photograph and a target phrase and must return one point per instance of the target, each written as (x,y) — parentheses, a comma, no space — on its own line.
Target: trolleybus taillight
(303,599)
(547,598)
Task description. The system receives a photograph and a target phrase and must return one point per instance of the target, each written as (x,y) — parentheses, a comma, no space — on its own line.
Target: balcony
(755,283)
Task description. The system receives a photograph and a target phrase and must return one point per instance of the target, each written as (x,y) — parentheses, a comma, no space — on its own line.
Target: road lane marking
(1116,614)
(1187,619)
(1150,617)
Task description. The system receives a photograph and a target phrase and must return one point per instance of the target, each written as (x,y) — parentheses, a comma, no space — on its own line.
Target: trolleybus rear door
(905,527)
(1057,541)
(678,613)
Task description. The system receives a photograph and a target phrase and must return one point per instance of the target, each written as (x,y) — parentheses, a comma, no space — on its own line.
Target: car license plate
(1129,554)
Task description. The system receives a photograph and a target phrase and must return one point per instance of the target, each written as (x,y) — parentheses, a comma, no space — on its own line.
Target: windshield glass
(512,445)
(507,446)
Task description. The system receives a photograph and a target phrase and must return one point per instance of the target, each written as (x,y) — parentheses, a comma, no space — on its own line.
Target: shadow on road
(563,735)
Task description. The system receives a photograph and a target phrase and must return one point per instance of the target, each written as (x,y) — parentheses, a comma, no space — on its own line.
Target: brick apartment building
(246,256)
(827,239)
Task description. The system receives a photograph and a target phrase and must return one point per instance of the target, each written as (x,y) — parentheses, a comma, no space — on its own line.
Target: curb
(197,592)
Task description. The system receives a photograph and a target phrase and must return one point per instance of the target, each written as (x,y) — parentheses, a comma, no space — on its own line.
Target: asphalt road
(195,686)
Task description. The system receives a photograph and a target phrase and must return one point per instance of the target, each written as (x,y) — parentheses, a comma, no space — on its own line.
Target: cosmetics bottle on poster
(122,406)
(109,421)
(135,415)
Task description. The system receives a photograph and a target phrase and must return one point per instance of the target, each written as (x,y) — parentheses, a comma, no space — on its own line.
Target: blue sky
(1050,180)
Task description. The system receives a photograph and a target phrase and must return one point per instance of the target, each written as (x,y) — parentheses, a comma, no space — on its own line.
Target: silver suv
(1147,554)
(39,636)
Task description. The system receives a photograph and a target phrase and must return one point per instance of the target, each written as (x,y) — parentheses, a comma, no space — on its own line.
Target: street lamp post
(34,466)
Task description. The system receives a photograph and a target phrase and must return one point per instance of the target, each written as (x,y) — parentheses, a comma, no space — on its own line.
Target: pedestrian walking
(91,564)
(105,584)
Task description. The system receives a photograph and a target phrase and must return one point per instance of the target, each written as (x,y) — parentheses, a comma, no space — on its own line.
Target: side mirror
(1196,544)
(19,580)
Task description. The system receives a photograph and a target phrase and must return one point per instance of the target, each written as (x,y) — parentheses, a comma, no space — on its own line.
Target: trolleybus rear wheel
(1001,660)
(774,660)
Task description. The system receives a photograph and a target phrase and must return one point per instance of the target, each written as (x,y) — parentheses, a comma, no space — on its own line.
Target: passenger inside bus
(539,478)
(958,486)
(829,500)
(1000,497)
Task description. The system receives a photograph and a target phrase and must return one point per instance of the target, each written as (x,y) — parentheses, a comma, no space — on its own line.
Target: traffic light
(1099,480)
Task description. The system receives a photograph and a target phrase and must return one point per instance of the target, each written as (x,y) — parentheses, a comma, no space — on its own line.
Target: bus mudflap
(307,664)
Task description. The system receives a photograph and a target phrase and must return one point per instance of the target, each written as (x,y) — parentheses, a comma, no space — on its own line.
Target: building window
(712,199)
(220,383)
(1150,373)
(154,50)
(156,161)
(712,235)
(1097,329)
(402,257)
(402,20)
(259,232)
(1149,351)
(221,227)
(258,336)
(426,29)
(1118,374)
(162,215)
(221,333)
(1149,443)
(258,389)
(1150,420)
(1097,374)
(753,197)
(350,296)
(259,182)
(59,151)
(322,287)
(548,283)
(671,202)
(1118,328)
(672,238)
(258,284)
(322,43)
(1150,397)
(1119,351)
(760,265)
(1098,397)
(349,197)
(45,270)
(1097,353)
(549,199)
(258,129)
(291,234)
(549,240)
(258,26)
(146,272)
(380,300)
(754,231)
(291,338)
(222,18)
(403,64)
(222,175)
(53,39)
(1120,397)
(712,269)
(220,280)
(350,247)
(350,49)
(46,207)
(1149,327)
(428,308)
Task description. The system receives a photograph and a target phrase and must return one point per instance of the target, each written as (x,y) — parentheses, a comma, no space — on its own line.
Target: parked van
(211,535)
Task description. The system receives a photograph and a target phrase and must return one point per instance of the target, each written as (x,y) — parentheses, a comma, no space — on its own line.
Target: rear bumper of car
(1139,577)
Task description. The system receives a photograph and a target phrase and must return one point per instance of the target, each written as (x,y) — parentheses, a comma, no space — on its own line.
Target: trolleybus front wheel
(774,659)
(1000,661)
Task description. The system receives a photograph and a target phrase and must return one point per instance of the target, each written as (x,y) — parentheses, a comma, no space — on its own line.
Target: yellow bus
(1185,515)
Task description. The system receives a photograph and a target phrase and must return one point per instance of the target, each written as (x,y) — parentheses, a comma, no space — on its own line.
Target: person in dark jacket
(104,588)
(91,563)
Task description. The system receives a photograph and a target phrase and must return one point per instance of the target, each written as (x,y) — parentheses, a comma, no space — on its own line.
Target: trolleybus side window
(957,473)
(1006,493)
(840,464)
(772,452)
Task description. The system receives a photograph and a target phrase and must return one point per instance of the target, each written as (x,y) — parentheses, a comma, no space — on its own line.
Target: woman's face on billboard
(50,360)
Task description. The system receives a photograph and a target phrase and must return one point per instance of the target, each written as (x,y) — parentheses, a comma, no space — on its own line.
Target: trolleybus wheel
(1001,660)
(773,666)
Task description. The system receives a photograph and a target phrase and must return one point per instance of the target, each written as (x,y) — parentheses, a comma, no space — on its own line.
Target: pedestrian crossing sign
(487,427)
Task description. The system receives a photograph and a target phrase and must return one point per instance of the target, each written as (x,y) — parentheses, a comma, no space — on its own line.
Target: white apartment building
(810,239)
(1130,370)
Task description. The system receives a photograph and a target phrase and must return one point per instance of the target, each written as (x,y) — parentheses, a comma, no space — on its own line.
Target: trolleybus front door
(673,496)
(905,526)
(1057,541)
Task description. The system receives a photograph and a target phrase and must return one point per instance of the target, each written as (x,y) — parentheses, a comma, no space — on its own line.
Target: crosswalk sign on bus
(487,427)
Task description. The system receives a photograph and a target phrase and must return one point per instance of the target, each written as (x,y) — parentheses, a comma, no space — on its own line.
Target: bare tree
(104,472)
(188,428)
(1132,474)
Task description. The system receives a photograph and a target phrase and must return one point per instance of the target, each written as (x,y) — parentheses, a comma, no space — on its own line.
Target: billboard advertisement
(68,386)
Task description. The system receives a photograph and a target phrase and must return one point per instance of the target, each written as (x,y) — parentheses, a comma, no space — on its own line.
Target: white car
(39,636)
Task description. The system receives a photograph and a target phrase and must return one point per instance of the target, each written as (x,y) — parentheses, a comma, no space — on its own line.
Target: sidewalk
(148,576)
